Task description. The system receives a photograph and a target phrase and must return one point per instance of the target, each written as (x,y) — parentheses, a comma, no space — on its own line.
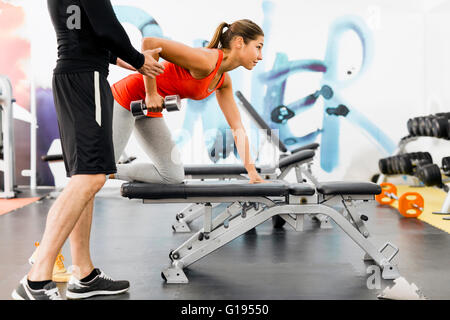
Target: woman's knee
(175,175)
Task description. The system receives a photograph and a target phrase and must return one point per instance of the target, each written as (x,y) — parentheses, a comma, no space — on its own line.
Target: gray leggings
(154,138)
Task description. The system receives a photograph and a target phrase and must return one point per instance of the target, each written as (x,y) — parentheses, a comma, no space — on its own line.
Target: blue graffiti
(335,107)
(144,22)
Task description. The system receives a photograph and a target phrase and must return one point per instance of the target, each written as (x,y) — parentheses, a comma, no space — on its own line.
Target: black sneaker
(100,285)
(24,292)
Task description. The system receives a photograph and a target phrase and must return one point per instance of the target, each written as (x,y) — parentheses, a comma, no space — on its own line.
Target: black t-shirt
(90,36)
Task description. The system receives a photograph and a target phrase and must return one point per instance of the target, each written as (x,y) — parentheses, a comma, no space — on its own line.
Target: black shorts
(84,106)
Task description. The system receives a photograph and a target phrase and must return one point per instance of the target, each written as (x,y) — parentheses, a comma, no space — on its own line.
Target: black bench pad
(339,187)
(296,157)
(312,146)
(154,191)
(215,169)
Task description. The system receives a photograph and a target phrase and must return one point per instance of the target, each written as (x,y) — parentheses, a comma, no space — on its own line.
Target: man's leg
(80,243)
(61,220)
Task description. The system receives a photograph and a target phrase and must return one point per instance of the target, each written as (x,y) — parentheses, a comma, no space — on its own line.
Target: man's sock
(91,276)
(37,285)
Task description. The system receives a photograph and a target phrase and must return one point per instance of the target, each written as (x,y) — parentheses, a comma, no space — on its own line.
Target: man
(89,38)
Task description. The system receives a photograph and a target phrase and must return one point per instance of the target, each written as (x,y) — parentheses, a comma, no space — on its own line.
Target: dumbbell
(446,165)
(404,163)
(436,125)
(171,103)
(430,175)
(413,126)
(409,201)
(415,157)
(422,126)
(441,126)
(417,126)
(389,165)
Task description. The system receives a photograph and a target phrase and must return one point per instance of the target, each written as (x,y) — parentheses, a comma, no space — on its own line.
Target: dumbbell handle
(393,196)
(171,103)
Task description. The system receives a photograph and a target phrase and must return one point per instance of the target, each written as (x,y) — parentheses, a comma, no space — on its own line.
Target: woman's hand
(256,178)
(154,102)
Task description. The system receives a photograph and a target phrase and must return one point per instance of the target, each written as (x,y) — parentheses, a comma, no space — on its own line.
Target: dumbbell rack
(7,131)
(401,149)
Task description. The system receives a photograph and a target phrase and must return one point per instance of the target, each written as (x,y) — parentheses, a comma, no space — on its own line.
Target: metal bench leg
(189,214)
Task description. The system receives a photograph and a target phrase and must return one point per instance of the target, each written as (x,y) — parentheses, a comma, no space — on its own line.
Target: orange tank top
(174,80)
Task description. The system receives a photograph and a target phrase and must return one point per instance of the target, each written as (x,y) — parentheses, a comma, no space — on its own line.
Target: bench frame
(244,213)
(195,210)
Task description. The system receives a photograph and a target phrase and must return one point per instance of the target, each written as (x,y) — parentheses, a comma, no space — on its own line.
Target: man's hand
(154,102)
(151,67)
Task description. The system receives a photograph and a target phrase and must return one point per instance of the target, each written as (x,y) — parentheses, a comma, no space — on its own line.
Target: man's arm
(119,62)
(105,24)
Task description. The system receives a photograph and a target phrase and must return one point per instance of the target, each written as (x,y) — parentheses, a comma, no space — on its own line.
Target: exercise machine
(7,136)
(249,205)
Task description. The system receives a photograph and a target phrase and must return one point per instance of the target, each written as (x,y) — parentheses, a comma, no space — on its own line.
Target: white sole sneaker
(77,296)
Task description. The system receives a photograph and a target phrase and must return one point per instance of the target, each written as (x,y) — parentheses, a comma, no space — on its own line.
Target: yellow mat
(433,199)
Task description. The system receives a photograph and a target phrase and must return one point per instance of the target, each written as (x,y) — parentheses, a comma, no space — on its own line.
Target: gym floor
(132,241)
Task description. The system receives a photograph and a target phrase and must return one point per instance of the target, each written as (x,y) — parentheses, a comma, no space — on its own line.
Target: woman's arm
(231,112)
(153,100)
(197,60)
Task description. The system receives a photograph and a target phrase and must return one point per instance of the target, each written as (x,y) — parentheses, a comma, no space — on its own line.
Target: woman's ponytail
(245,28)
(216,40)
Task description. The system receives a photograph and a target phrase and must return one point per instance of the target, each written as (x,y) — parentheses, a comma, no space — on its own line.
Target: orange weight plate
(406,207)
(386,187)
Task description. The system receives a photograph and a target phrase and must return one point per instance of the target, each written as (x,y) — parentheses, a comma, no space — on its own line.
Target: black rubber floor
(131,240)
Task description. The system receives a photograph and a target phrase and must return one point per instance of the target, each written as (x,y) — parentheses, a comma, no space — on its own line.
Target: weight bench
(252,204)
(300,161)
(237,171)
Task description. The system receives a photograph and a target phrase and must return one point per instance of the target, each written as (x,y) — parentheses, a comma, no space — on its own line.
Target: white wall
(408,76)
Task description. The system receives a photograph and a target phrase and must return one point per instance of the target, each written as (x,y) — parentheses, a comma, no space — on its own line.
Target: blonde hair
(245,28)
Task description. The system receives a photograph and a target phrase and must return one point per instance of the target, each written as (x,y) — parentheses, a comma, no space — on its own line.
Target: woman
(192,73)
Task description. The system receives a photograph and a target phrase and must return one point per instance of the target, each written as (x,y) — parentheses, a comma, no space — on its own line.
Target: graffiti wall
(347,75)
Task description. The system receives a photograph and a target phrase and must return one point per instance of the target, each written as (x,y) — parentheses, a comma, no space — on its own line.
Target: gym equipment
(430,175)
(52,157)
(7,136)
(434,177)
(300,170)
(171,103)
(409,201)
(441,127)
(406,163)
(250,205)
(300,161)
(446,165)
(437,125)
(260,122)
